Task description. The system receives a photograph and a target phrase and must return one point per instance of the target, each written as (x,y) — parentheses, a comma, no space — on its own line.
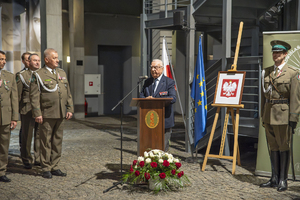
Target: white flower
(170,160)
(159,155)
(170,156)
(135,166)
(148,160)
(156,151)
(160,160)
(146,154)
(151,154)
(141,158)
(176,160)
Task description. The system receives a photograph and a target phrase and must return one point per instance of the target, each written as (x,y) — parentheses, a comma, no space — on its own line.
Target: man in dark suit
(160,86)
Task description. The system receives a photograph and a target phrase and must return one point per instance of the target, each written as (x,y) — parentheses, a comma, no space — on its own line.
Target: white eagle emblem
(229,88)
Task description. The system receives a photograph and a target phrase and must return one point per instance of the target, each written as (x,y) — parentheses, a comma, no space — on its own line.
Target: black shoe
(58,173)
(270,183)
(4,179)
(27,166)
(282,186)
(47,175)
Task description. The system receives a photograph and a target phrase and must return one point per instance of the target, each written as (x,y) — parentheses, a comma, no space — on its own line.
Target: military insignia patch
(298,77)
(17,78)
(47,79)
(152,119)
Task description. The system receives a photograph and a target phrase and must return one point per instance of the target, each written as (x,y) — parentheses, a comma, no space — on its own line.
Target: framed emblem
(152,119)
(229,87)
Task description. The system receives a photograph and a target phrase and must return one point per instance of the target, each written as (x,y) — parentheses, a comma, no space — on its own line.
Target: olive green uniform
(280,105)
(9,112)
(52,103)
(28,123)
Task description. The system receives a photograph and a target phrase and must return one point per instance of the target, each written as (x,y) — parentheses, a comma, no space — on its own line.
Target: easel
(235,121)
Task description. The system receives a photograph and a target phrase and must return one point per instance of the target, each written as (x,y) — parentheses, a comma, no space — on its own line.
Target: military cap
(278,45)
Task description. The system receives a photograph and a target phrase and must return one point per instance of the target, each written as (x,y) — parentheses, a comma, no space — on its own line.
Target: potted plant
(160,169)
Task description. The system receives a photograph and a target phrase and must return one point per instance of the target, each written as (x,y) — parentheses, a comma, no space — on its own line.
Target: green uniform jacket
(50,104)
(288,85)
(23,91)
(9,98)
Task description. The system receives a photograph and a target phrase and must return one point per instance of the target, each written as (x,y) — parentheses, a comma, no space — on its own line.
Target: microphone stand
(121,102)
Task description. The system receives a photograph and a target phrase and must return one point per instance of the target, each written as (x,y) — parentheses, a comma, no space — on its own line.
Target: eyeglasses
(155,67)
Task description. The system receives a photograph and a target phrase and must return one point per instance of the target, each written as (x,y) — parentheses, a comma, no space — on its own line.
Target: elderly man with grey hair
(160,86)
(51,102)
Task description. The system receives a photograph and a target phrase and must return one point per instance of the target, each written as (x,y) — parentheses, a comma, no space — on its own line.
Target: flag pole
(173,74)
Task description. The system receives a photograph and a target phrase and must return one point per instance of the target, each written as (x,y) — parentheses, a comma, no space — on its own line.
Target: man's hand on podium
(149,97)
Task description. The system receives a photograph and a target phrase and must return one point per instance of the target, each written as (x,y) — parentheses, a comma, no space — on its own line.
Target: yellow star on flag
(199,103)
(195,110)
(203,79)
(197,76)
(205,107)
(200,84)
(202,94)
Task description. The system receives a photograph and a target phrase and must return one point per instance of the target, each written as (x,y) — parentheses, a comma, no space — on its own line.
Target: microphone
(143,77)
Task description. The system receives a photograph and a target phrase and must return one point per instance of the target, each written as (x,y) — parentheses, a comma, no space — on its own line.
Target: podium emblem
(152,119)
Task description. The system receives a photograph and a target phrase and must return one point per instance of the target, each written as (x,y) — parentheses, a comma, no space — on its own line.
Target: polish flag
(165,59)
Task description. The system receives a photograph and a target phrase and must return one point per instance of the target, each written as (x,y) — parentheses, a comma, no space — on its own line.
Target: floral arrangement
(160,169)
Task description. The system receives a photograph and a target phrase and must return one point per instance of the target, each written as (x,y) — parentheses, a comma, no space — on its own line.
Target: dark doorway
(113,58)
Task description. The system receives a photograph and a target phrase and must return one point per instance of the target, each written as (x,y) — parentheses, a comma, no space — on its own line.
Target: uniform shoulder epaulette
(7,71)
(22,71)
(293,68)
(60,69)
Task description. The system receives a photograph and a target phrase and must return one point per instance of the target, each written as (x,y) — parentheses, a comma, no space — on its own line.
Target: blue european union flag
(198,93)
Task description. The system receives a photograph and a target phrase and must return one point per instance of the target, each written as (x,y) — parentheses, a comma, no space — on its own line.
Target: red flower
(162,175)
(131,169)
(166,163)
(180,174)
(178,165)
(134,162)
(173,171)
(137,173)
(147,176)
(153,164)
(142,163)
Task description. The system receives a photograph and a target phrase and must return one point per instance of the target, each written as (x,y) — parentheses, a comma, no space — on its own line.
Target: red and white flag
(165,59)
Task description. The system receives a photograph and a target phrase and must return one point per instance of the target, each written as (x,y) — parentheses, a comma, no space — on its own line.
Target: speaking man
(160,86)
(28,123)
(280,109)
(9,113)
(51,102)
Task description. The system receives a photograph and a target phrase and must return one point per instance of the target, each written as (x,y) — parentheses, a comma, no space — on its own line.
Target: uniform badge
(163,93)
(17,79)
(298,77)
(0,82)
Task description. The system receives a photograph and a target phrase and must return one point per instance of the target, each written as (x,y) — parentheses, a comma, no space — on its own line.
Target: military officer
(51,102)
(28,123)
(25,61)
(280,109)
(9,113)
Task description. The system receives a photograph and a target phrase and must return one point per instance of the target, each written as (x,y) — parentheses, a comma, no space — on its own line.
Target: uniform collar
(279,67)
(50,70)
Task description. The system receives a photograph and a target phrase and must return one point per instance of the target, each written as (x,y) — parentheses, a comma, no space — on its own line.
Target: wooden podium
(151,123)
